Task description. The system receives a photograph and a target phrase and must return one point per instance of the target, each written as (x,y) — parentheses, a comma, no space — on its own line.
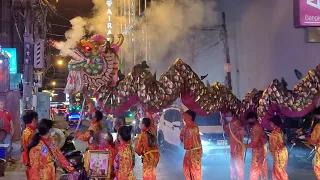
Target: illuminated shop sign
(109,14)
(12,53)
(307,13)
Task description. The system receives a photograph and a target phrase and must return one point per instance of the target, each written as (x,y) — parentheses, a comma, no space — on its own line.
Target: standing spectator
(6,124)
(109,122)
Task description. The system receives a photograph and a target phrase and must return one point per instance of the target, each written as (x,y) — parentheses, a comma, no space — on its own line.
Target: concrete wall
(264,45)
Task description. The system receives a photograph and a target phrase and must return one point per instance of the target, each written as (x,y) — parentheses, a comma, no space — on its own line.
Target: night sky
(66,10)
(58,24)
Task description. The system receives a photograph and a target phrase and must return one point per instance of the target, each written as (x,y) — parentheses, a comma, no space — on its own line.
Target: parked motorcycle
(65,142)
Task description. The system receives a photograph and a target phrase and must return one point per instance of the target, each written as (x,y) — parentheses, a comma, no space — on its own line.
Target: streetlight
(60,62)
(53,83)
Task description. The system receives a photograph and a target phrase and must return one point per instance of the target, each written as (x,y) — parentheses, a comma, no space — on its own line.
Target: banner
(43,105)
(306,13)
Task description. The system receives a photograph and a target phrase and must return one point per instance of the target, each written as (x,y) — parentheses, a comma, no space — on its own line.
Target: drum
(59,137)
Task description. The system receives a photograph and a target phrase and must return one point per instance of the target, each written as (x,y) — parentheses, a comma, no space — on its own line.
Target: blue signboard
(12,53)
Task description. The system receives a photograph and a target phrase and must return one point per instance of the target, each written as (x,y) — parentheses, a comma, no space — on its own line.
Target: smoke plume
(97,24)
(73,35)
(167,27)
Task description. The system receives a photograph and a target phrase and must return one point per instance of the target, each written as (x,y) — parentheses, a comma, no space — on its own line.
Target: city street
(170,166)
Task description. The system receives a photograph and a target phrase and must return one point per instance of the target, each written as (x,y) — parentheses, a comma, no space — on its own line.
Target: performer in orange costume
(42,154)
(30,119)
(235,130)
(278,150)
(123,165)
(146,146)
(121,121)
(103,141)
(94,127)
(259,166)
(315,139)
(192,144)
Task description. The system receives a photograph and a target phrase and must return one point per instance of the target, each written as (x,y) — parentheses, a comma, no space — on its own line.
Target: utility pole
(28,55)
(34,33)
(227,66)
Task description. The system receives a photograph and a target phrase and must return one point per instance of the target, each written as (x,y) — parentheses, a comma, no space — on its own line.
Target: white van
(214,141)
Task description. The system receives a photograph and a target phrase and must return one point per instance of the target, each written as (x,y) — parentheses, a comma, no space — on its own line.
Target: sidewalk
(15,171)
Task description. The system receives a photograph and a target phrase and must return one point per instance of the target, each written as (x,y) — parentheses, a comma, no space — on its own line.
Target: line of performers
(40,153)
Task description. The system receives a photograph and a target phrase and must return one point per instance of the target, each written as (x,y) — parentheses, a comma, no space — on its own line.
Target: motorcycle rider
(315,139)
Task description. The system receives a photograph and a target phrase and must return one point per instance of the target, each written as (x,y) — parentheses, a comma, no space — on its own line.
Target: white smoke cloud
(98,22)
(73,35)
(168,26)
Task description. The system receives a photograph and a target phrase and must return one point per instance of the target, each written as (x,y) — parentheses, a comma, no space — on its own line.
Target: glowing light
(1,61)
(74,116)
(205,143)
(60,62)
(53,83)
(88,48)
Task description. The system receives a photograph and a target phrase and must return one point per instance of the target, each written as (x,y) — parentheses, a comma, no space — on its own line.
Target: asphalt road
(170,166)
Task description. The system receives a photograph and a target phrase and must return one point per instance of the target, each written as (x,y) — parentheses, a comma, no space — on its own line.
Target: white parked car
(214,141)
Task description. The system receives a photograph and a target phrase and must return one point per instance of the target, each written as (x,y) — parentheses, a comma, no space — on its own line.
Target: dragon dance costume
(192,144)
(42,158)
(149,151)
(123,165)
(95,127)
(280,155)
(26,138)
(259,166)
(315,139)
(237,148)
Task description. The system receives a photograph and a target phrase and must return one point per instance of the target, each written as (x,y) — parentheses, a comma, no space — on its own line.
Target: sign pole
(81,112)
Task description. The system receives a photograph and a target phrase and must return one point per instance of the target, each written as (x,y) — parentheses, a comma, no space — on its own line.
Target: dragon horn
(111,37)
(120,41)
